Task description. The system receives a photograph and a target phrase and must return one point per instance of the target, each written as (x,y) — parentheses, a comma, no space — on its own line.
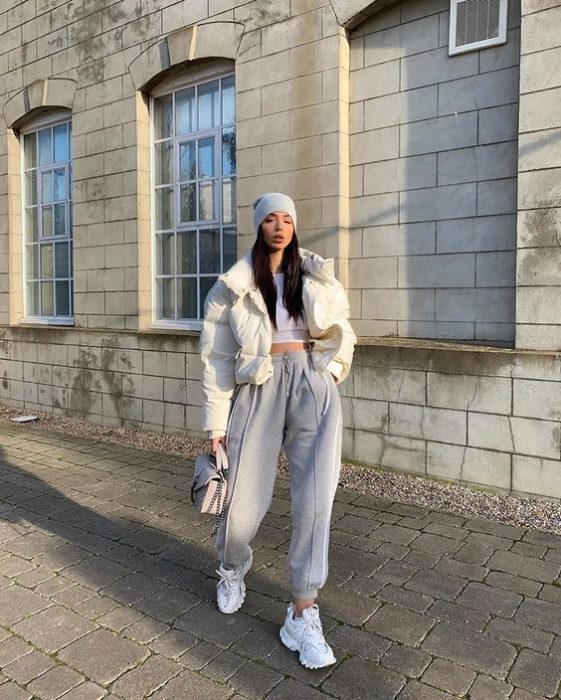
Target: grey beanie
(270,202)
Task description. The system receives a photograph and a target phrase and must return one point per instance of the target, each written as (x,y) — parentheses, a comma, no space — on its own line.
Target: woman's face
(277,229)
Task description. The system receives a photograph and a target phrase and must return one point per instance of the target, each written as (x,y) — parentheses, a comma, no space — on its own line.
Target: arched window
(194,188)
(46,144)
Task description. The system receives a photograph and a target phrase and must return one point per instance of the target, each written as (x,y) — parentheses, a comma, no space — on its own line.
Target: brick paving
(107,591)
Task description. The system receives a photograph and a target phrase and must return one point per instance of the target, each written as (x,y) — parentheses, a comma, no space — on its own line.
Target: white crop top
(288,330)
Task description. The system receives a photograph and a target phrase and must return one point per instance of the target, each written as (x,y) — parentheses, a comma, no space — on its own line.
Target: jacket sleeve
(218,354)
(340,365)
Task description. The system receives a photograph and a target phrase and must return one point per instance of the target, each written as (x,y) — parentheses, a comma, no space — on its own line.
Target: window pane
(30,150)
(210,250)
(228,152)
(47,299)
(187,161)
(47,187)
(60,219)
(206,201)
(47,231)
(32,224)
(31,187)
(45,146)
(165,259)
(187,253)
(70,142)
(46,261)
(206,158)
(166,298)
(185,116)
(61,143)
(164,208)
(228,101)
(33,298)
(164,163)
(187,297)
(229,201)
(61,260)
(229,246)
(209,107)
(188,203)
(206,285)
(32,262)
(59,185)
(62,298)
(163,116)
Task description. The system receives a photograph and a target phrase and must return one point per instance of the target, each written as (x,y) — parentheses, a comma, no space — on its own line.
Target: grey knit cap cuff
(270,202)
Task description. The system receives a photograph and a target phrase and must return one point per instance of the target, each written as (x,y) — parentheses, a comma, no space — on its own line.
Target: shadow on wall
(434,157)
(120,524)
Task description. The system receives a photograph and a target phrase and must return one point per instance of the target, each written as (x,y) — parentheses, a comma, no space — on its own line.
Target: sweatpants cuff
(304,595)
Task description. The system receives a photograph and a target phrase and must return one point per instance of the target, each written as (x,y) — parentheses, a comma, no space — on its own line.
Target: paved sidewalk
(107,590)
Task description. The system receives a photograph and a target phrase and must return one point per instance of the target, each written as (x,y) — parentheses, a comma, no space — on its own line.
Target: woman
(276,339)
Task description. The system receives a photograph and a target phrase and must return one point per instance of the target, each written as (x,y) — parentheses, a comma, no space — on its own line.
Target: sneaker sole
(293,645)
(248,567)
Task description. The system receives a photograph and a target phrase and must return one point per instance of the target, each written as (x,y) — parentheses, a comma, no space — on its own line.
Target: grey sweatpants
(299,409)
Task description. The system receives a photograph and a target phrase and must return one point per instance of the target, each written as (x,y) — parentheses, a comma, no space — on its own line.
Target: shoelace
(313,626)
(227,575)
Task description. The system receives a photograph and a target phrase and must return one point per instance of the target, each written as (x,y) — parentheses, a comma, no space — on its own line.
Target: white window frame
(211,70)
(50,118)
(454,50)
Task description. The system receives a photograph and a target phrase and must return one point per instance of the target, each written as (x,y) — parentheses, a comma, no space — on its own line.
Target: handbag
(210,484)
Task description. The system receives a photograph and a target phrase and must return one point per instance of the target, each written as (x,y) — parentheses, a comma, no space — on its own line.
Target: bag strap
(221,458)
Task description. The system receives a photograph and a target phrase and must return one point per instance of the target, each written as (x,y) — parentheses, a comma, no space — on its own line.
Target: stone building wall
(477,414)
(433,152)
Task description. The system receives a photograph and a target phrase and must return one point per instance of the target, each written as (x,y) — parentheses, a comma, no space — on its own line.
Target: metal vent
(477,20)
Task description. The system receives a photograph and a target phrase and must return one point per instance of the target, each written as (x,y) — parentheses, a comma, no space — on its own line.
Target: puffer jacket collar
(239,278)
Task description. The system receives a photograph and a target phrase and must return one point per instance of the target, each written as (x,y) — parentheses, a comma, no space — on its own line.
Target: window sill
(175,327)
(47,321)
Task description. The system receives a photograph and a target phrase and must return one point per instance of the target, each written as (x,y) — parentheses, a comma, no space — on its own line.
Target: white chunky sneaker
(230,590)
(305,635)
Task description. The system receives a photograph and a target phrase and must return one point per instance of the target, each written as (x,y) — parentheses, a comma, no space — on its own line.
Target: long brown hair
(292,268)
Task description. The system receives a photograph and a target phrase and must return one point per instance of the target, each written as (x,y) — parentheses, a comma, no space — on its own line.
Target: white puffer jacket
(237,333)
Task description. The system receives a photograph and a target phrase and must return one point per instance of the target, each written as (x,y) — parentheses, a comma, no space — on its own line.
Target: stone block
(540,31)
(478,163)
(537,150)
(540,71)
(433,271)
(489,305)
(436,329)
(536,476)
(371,146)
(476,234)
(498,124)
(386,384)
(540,110)
(468,464)
(423,8)
(374,81)
(525,436)
(428,423)
(479,91)
(398,42)
(400,174)
(399,239)
(395,304)
(535,305)
(492,332)
(537,399)
(370,273)
(374,210)
(452,201)
(496,197)
(473,393)
(495,269)
(439,134)
(400,108)
(436,67)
